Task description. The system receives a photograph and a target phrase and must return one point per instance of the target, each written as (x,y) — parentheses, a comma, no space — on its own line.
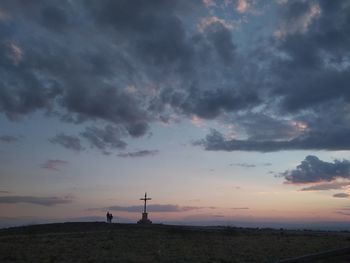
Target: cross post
(145,200)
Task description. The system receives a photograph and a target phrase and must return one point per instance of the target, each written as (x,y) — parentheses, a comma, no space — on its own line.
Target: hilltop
(101,242)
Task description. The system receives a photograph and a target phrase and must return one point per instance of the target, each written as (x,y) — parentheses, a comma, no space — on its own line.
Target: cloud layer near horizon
(152,59)
(154,208)
(37,200)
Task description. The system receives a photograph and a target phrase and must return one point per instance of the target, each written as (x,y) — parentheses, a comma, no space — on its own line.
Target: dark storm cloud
(154,208)
(108,46)
(141,153)
(154,31)
(53,164)
(127,64)
(315,53)
(312,170)
(67,141)
(36,77)
(341,195)
(45,201)
(307,75)
(8,138)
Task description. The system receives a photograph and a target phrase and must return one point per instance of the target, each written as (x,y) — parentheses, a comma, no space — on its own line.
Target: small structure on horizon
(144,219)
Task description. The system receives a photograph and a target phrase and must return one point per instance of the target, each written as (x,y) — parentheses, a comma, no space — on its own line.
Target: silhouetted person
(108,217)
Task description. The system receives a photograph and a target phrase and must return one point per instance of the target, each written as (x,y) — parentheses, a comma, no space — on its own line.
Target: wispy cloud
(297,17)
(53,165)
(108,137)
(37,200)
(141,153)
(341,195)
(154,208)
(250,165)
(209,3)
(240,208)
(212,20)
(9,138)
(327,186)
(67,141)
(343,213)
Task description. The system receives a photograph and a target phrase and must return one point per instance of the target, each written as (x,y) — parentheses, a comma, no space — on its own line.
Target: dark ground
(101,242)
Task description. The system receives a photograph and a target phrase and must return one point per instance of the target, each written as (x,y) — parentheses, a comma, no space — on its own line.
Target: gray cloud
(9,138)
(240,208)
(45,201)
(141,153)
(317,50)
(144,45)
(4,192)
(53,164)
(154,208)
(341,195)
(312,169)
(215,141)
(306,78)
(67,141)
(270,128)
(107,138)
(327,186)
(147,60)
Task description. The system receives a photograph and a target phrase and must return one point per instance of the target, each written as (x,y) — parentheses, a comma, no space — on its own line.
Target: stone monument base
(144,219)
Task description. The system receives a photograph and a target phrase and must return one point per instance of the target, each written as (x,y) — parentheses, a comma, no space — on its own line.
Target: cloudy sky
(229,110)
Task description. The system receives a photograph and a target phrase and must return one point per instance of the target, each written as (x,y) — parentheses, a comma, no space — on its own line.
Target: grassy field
(101,242)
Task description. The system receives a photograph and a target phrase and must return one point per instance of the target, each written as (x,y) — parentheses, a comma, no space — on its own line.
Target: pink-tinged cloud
(155,208)
(196,121)
(327,186)
(16,53)
(208,21)
(299,24)
(243,6)
(209,3)
(53,165)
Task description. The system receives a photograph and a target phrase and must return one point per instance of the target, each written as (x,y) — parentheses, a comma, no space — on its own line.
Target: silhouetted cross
(145,199)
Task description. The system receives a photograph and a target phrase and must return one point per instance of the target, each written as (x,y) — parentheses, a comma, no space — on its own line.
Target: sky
(225,112)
